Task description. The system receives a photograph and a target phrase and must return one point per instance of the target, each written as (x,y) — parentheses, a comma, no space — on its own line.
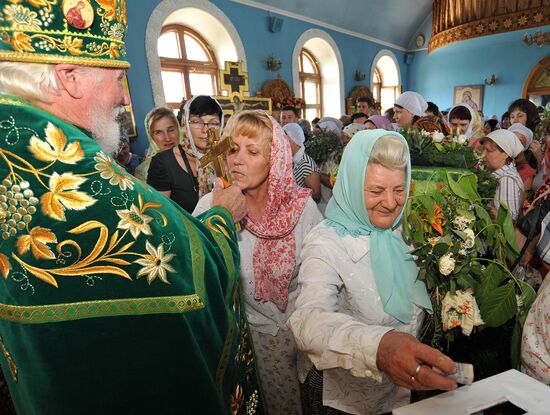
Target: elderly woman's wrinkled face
(248,162)
(385,194)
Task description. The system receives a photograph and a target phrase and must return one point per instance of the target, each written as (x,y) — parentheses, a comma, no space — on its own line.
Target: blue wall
(258,42)
(470,62)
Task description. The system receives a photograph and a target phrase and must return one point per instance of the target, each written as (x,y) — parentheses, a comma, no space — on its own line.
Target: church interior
(298,207)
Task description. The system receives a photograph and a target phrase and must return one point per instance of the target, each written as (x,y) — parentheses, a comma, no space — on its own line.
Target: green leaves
(500,306)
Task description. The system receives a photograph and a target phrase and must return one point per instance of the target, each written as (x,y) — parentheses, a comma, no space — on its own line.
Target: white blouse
(264,316)
(340,320)
(535,342)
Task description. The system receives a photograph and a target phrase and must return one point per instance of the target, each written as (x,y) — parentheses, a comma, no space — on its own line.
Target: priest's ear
(74,80)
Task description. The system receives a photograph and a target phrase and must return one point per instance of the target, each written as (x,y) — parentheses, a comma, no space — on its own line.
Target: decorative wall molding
(538,16)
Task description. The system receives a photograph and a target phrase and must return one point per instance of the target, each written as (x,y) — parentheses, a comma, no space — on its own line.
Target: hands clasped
(408,363)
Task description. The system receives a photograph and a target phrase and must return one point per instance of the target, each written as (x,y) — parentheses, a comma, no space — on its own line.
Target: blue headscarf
(393,266)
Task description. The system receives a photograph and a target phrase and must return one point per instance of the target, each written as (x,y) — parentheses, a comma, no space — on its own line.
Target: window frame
(188,66)
(313,78)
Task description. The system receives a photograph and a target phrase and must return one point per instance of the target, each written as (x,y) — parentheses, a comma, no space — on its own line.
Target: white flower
(461,222)
(461,139)
(425,133)
(470,242)
(438,137)
(134,220)
(446,264)
(155,264)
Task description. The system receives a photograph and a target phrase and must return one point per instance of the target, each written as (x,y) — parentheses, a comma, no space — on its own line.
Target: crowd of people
(287,290)
(326,311)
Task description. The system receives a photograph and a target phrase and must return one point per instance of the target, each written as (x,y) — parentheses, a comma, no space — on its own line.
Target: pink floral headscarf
(274,256)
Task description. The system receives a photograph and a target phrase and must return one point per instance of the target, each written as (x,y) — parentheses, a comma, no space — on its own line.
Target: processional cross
(216,154)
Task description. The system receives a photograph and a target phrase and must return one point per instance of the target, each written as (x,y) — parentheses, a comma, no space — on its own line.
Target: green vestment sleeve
(112,298)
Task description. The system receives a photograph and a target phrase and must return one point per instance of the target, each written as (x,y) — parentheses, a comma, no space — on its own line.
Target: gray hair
(390,151)
(29,81)
(32,81)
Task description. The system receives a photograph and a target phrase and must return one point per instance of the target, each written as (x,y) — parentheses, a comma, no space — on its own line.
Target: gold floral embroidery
(37,241)
(237,399)
(46,4)
(5,265)
(21,42)
(211,223)
(22,18)
(11,363)
(155,264)
(94,262)
(55,147)
(135,220)
(109,170)
(64,195)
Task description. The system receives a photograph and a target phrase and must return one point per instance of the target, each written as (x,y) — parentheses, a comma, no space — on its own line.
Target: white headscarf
(412,102)
(331,124)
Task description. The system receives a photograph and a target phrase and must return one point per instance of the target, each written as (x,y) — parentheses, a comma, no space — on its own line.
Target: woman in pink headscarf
(280,214)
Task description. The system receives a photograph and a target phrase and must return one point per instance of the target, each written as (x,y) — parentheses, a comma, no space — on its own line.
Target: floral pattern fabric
(535,345)
(274,254)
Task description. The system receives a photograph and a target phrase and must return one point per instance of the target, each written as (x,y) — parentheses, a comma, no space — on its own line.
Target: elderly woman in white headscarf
(500,148)
(306,172)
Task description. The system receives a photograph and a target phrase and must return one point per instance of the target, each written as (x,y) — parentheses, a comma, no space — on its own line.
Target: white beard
(105,128)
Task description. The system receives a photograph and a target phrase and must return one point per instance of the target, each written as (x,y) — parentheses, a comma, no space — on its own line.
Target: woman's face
(506,123)
(385,194)
(518,115)
(486,128)
(460,125)
(402,116)
(248,162)
(494,157)
(165,133)
(198,126)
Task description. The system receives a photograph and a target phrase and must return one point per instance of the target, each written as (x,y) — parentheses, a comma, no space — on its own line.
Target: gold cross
(216,154)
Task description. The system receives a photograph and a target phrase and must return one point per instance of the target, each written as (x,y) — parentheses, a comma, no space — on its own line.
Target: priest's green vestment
(112,298)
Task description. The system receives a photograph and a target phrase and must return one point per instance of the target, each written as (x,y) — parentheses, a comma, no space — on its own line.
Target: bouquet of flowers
(434,148)
(462,256)
(295,102)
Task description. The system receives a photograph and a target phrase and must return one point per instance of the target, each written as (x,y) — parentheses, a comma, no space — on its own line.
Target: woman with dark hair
(465,121)
(176,172)
(489,126)
(505,121)
(525,112)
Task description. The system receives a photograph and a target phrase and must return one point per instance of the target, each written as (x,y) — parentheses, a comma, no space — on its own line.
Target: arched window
(376,84)
(310,84)
(385,82)
(188,66)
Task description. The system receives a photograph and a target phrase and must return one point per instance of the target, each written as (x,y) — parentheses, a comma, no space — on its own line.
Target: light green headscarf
(393,266)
